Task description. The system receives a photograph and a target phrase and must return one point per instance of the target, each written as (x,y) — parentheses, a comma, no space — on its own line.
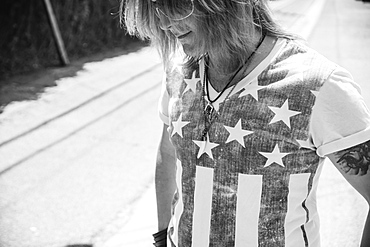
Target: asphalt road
(74,162)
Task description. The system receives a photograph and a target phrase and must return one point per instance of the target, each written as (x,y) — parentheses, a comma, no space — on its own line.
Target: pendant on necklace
(204,137)
(208,110)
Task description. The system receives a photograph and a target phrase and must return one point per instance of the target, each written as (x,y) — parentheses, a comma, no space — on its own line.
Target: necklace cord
(206,81)
(208,112)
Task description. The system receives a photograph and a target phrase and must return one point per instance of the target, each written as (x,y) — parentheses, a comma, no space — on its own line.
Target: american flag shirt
(253,181)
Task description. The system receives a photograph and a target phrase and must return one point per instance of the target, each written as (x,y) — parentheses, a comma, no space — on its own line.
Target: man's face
(182,25)
(187,34)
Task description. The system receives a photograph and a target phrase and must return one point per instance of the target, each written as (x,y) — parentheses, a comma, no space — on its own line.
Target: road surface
(76,162)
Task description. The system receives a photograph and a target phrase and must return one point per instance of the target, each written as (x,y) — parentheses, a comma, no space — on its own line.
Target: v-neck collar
(279,44)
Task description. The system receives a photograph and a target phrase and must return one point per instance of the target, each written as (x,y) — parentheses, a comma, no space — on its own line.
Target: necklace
(209,108)
(209,111)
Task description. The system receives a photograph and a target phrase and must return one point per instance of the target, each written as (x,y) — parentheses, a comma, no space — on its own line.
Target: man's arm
(165,175)
(354,164)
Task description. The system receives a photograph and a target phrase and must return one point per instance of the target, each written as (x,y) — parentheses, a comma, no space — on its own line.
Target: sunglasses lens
(174,10)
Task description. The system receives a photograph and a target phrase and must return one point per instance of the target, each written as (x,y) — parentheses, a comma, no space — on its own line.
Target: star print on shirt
(191,84)
(283,113)
(178,125)
(305,144)
(275,157)
(237,133)
(205,147)
(252,89)
(316,93)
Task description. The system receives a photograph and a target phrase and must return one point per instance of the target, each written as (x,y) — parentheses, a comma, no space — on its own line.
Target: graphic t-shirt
(252,181)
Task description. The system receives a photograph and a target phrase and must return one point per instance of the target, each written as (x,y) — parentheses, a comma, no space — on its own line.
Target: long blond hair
(234,20)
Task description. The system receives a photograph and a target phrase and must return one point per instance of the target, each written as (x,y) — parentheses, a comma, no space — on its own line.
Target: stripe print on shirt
(263,133)
(252,131)
(249,193)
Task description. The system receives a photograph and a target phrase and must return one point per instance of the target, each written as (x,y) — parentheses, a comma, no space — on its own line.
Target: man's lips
(183,35)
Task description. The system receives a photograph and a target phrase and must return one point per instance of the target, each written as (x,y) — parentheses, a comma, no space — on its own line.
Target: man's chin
(190,50)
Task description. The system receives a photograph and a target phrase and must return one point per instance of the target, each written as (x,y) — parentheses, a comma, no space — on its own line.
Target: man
(249,113)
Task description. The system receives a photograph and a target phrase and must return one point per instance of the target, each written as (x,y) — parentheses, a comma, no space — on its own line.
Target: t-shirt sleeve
(163,103)
(340,117)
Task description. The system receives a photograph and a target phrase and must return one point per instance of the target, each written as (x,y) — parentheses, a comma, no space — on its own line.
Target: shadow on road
(29,86)
(80,245)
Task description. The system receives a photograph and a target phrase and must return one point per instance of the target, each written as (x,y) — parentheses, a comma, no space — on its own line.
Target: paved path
(69,171)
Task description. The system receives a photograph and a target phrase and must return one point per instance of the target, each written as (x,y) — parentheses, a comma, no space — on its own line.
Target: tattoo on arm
(355,160)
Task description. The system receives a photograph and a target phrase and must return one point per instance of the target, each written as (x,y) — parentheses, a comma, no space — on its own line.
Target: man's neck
(220,78)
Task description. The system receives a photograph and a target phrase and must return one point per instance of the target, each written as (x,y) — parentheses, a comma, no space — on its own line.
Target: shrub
(87,27)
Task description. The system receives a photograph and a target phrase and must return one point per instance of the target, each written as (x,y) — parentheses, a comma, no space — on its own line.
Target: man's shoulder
(297,52)
(297,58)
(180,77)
